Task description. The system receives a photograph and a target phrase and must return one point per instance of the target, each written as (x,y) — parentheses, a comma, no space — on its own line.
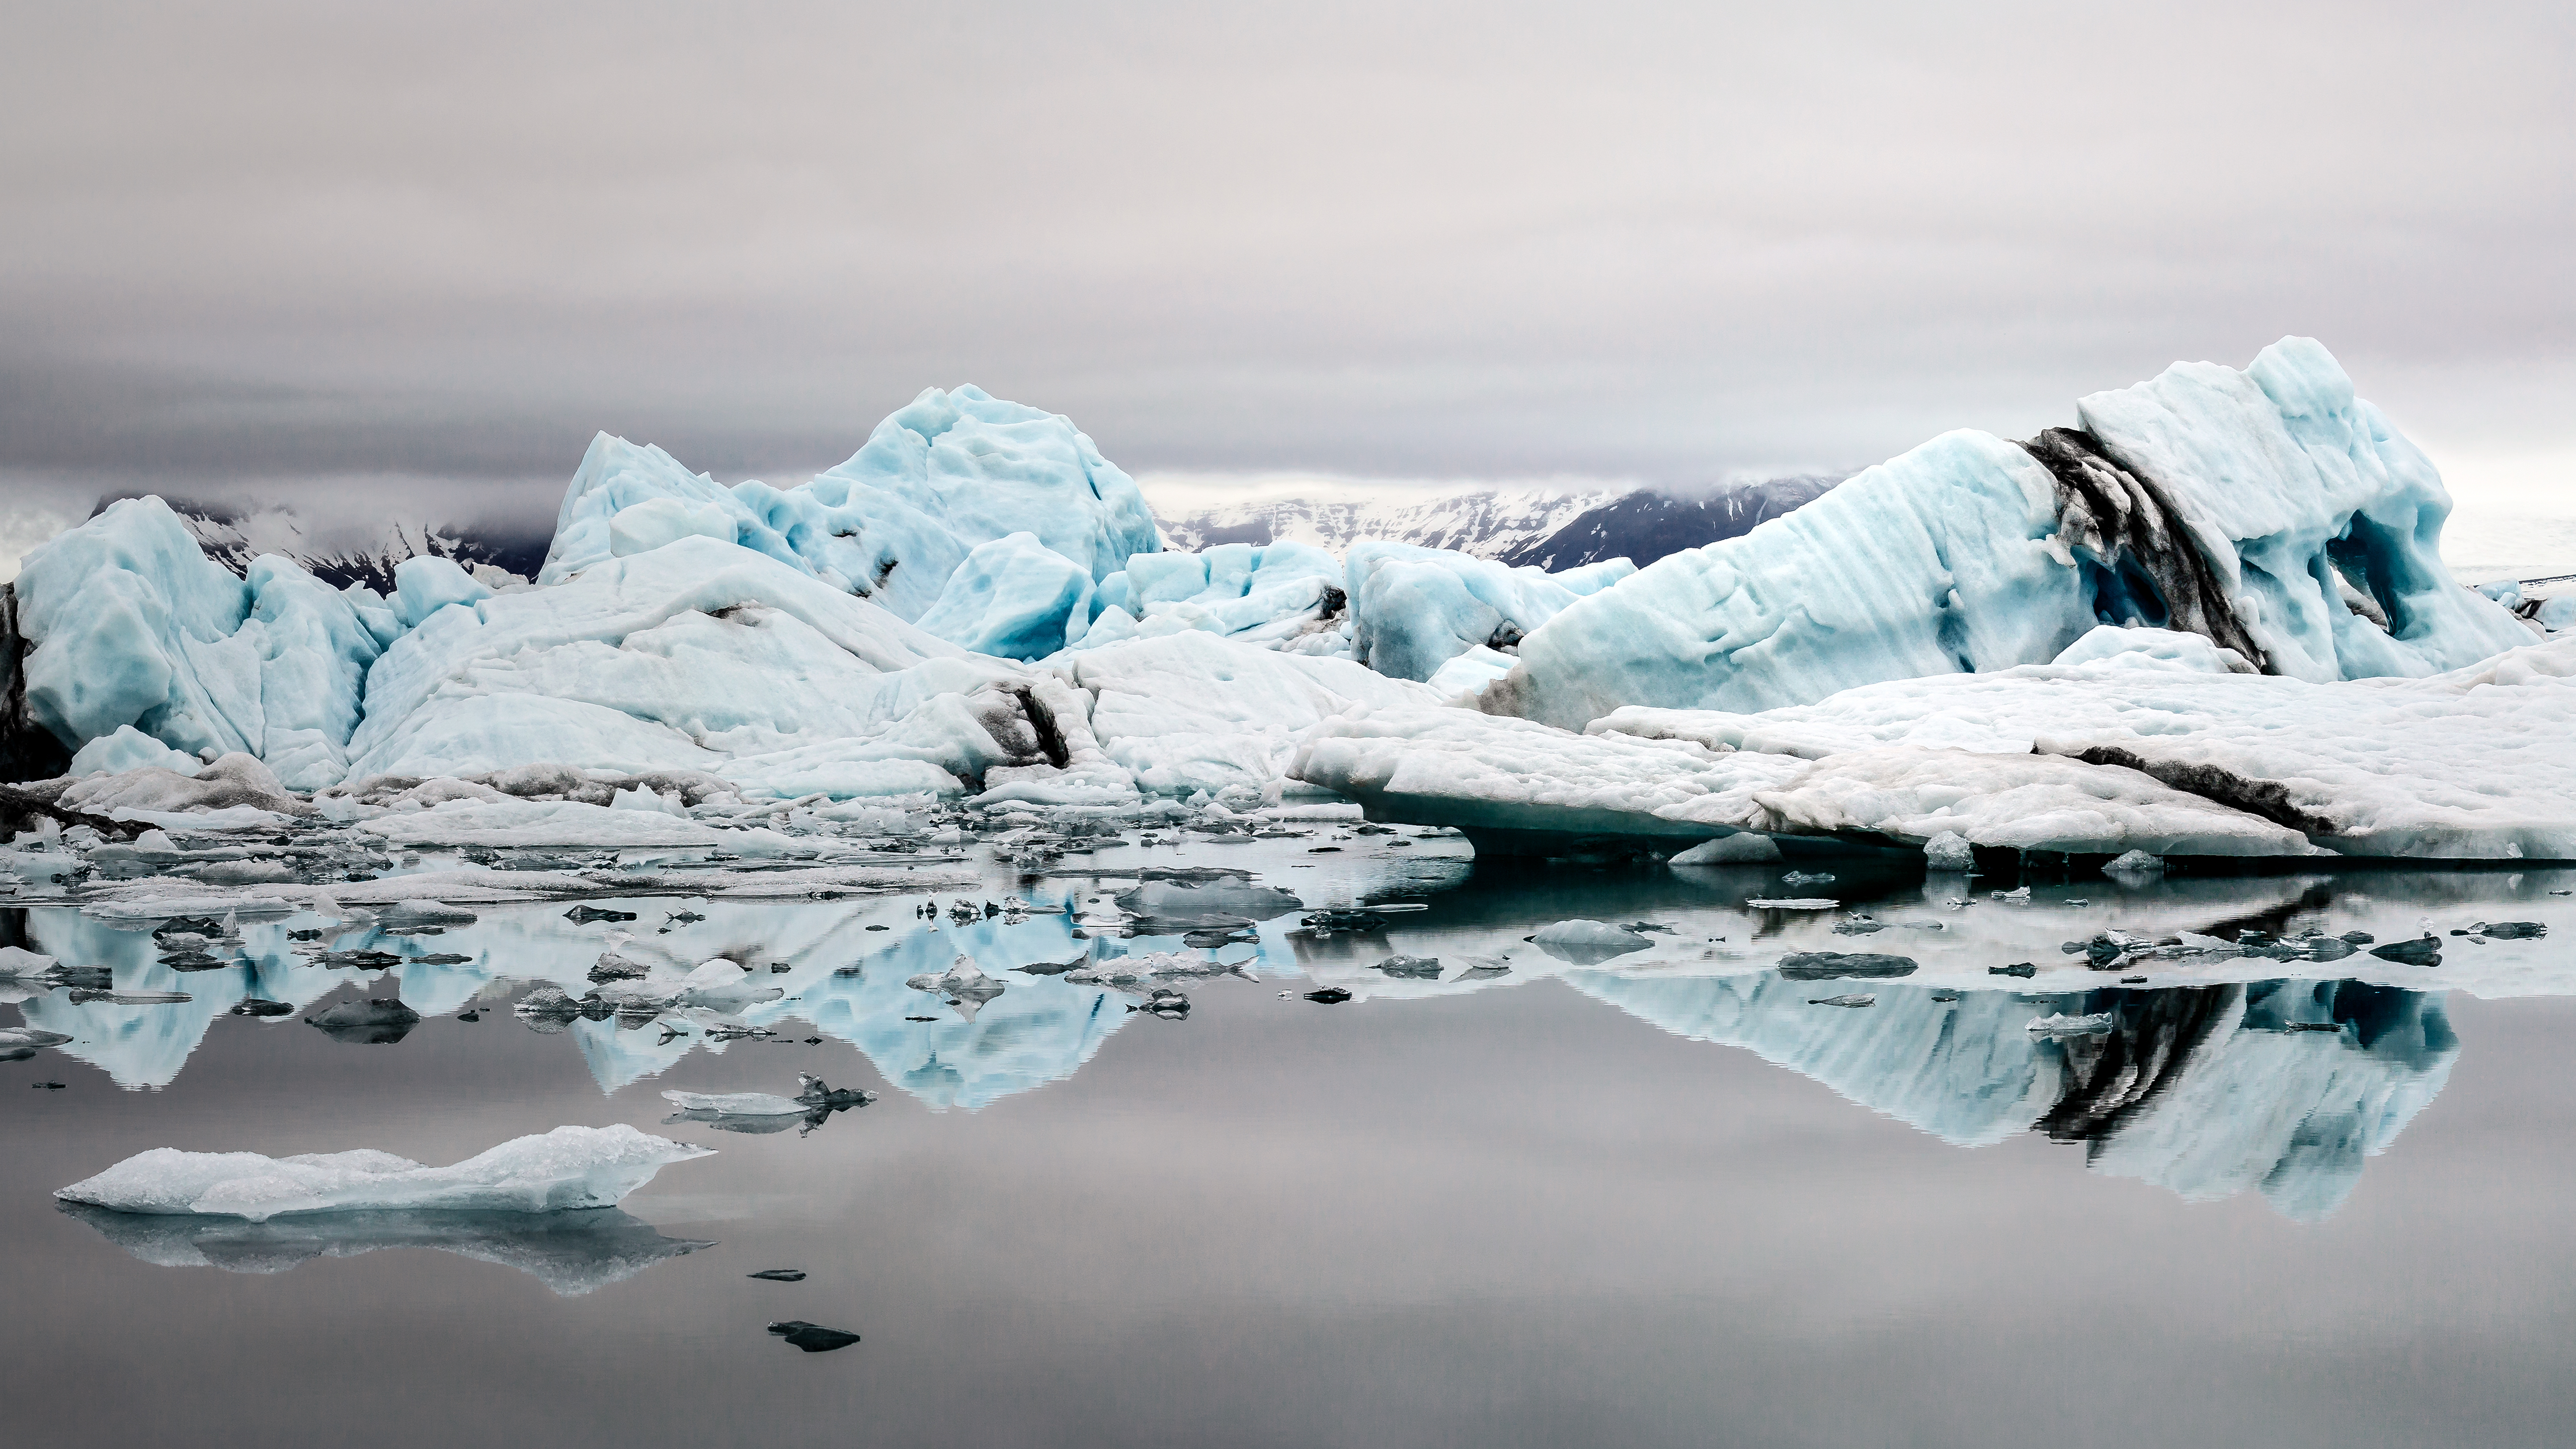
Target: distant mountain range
(1551,529)
(345,553)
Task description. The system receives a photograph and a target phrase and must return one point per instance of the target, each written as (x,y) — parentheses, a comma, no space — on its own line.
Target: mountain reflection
(572,1253)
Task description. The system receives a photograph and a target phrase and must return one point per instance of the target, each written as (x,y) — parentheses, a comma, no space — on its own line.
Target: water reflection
(572,1253)
(2205,1091)
(2211,1078)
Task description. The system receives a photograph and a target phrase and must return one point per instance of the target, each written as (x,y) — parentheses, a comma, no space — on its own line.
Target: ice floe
(570,1167)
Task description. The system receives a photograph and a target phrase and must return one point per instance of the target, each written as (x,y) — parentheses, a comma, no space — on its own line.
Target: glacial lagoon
(1499,1185)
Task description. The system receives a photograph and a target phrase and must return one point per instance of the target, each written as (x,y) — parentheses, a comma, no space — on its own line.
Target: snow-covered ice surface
(2472,764)
(570,1167)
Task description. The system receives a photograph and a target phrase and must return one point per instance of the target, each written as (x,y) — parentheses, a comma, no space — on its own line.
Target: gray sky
(268,243)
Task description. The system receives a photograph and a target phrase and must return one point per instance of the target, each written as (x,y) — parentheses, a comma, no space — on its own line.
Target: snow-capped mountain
(341,553)
(1643,526)
(1555,529)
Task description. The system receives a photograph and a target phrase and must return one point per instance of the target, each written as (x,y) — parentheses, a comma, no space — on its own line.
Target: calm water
(1550,1203)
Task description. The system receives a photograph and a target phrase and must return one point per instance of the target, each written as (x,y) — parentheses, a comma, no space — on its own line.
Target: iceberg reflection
(572,1253)
(2280,1087)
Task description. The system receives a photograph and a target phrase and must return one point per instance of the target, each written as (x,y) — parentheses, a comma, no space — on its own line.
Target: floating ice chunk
(1948,850)
(1792,903)
(131,749)
(721,984)
(963,979)
(365,1023)
(17,1043)
(570,1167)
(2058,1023)
(234,781)
(1588,942)
(646,798)
(1741,848)
(1834,965)
(1590,933)
(2136,862)
(737,1104)
(813,1337)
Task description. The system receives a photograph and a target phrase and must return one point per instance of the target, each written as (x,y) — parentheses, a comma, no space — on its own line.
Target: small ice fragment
(1842,1000)
(2060,1024)
(2018,893)
(1791,903)
(2135,862)
(1948,851)
(813,1337)
(736,1104)
(1411,968)
(779,1275)
(2422,951)
(1830,965)
(963,980)
(1804,878)
(2510,930)
(1329,996)
(2023,969)
(365,1023)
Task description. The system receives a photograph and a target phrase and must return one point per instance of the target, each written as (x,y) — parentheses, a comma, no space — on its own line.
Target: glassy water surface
(1509,1192)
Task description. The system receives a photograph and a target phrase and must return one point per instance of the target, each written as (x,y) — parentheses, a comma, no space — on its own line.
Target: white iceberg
(570,1167)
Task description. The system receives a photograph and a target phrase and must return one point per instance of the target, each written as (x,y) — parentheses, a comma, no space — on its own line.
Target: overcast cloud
(255,243)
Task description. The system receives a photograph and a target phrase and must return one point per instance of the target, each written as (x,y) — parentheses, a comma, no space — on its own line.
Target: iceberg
(570,1167)
(938,477)
(127,624)
(2270,511)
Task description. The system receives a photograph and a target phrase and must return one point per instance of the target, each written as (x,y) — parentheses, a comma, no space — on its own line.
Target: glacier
(2208,620)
